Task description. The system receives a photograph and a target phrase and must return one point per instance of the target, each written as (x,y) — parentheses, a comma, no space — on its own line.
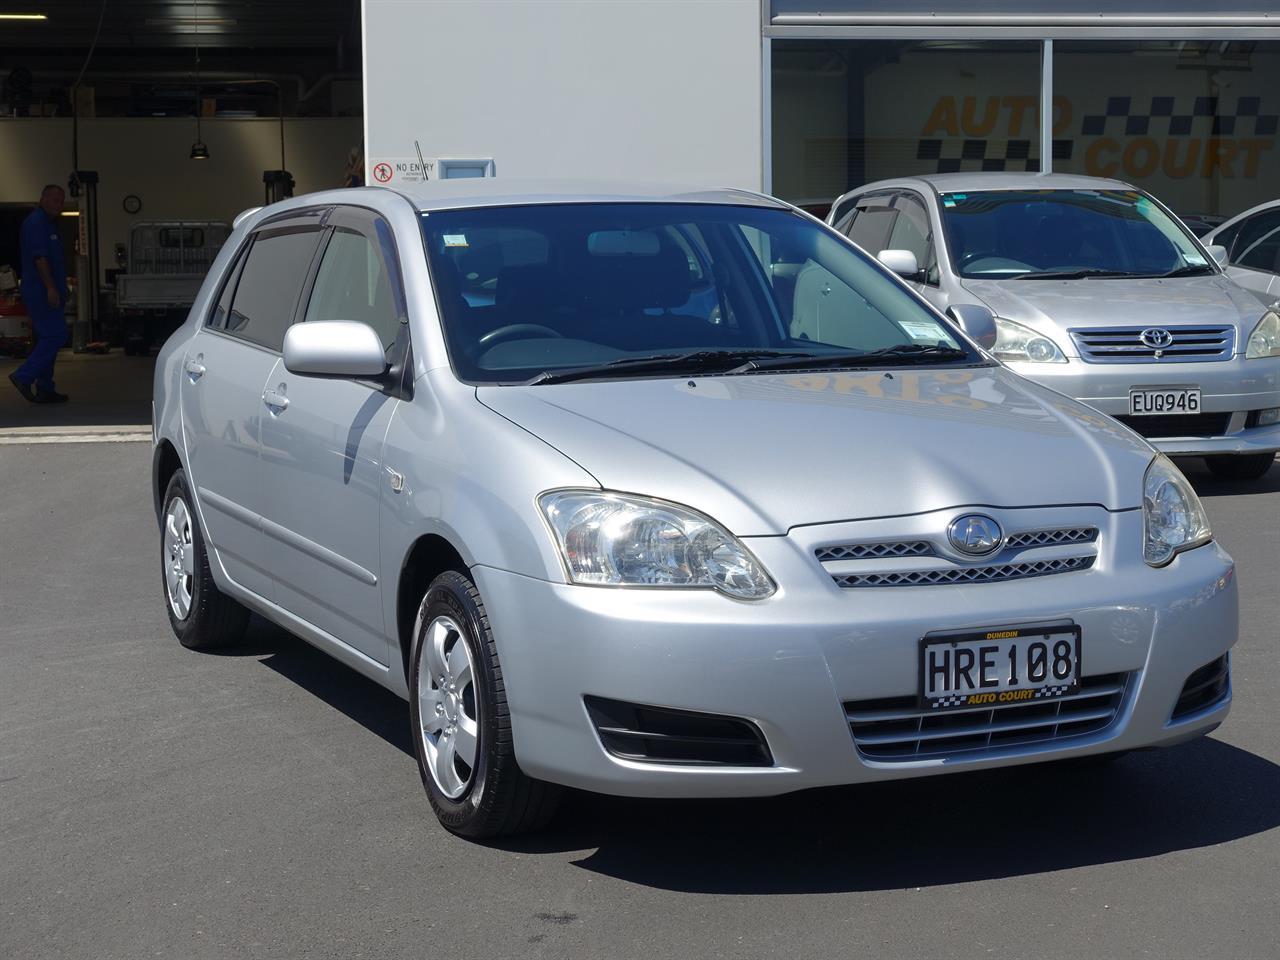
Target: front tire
(461,726)
(1253,466)
(202,616)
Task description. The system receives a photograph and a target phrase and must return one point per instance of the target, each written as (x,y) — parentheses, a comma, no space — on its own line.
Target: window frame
(930,270)
(1244,225)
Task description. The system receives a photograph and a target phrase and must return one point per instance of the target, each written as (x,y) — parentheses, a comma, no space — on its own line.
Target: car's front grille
(897,729)
(1179,425)
(871,551)
(919,561)
(986,574)
(1124,344)
(1204,688)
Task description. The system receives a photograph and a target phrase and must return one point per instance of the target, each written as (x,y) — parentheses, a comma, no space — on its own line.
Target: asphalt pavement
(265,803)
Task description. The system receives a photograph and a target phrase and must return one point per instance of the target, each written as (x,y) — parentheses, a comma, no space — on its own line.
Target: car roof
(978,182)
(498,191)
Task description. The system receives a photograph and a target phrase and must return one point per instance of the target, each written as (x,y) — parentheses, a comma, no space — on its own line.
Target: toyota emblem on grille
(975,534)
(1157,338)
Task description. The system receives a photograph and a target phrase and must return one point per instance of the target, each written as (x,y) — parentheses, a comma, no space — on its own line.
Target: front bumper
(1236,387)
(789,663)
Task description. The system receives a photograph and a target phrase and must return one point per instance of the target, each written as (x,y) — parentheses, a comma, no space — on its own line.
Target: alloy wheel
(448,707)
(179,558)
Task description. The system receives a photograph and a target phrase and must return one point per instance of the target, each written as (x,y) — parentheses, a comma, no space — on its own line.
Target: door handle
(194,370)
(276,401)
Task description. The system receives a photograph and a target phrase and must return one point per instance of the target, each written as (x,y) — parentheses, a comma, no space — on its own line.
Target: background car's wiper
(1187,270)
(1077,274)
(894,354)
(696,361)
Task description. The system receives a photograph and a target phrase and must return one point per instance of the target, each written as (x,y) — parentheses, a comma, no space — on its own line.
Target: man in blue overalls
(44,293)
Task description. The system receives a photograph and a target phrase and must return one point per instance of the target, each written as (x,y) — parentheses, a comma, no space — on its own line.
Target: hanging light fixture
(198,149)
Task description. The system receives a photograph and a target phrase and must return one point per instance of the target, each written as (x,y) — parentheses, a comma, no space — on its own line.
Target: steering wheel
(513,331)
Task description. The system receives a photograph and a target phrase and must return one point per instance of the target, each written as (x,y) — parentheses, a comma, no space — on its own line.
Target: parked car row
(686,493)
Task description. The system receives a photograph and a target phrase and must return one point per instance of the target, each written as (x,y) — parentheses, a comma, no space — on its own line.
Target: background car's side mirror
(334,348)
(975,320)
(1219,253)
(901,262)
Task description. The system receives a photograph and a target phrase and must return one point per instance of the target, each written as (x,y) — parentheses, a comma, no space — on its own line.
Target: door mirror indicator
(976,321)
(901,262)
(334,348)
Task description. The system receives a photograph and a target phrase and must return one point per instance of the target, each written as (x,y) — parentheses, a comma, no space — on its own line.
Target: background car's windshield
(527,289)
(1010,233)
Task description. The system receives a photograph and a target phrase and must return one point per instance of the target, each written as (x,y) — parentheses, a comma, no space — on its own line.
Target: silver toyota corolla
(666,494)
(1100,293)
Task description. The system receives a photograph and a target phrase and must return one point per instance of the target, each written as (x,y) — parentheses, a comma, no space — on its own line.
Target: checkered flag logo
(950,701)
(1181,117)
(954,155)
(1052,691)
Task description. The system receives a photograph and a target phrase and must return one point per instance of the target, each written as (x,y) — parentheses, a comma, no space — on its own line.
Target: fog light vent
(1204,688)
(633,731)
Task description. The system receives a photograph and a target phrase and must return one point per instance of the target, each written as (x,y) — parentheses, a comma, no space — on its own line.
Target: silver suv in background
(664,493)
(1100,293)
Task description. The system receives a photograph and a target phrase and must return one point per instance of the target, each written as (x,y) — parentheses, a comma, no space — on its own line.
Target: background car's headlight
(1265,339)
(1173,519)
(612,539)
(1018,343)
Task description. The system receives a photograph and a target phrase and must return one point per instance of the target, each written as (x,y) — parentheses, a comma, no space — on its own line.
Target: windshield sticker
(924,330)
(455,239)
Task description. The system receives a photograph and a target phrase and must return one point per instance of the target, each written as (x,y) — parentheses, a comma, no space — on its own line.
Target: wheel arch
(430,555)
(165,462)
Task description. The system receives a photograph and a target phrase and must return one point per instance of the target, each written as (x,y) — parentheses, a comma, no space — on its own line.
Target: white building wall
(666,90)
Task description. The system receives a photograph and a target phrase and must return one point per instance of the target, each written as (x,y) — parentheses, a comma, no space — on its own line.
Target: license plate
(1150,403)
(999,666)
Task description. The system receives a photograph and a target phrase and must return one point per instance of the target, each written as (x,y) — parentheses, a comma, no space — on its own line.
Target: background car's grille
(1124,344)
(896,729)
(1052,538)
(1179,425)
(990,574)
(865,551)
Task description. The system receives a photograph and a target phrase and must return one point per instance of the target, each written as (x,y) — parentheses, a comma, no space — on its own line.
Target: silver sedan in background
(666,493)
(1100,293)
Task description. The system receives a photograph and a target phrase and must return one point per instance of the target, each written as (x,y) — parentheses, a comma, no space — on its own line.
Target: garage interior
(163,121)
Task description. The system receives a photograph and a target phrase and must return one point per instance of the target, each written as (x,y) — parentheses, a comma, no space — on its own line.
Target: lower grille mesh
(896,729)
(989,574)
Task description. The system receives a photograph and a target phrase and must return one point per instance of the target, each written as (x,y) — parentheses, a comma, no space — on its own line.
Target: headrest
(630,282)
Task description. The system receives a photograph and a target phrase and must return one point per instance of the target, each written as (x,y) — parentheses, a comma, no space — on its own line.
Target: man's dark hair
(52,186)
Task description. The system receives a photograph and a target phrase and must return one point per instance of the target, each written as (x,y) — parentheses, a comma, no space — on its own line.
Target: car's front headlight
(1014,342)
(619,540)
(1265,339)
(1173,519)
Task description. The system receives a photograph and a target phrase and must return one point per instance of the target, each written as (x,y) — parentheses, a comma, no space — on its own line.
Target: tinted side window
(354,283)
(270,281)
(872,223)
(1258,243)
(217,318)
(911,232)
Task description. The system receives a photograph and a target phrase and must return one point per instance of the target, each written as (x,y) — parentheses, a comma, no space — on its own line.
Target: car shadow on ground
(1207,485)
(912,833)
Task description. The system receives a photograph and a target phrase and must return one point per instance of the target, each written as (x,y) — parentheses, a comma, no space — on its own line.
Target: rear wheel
(1253,466)
(202,617)
(460,723)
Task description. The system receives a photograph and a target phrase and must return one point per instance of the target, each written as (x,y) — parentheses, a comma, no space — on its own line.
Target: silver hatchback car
(666,494)
(1099,293)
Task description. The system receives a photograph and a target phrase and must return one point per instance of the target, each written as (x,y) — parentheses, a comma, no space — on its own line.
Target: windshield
(527,293)
(1006,234)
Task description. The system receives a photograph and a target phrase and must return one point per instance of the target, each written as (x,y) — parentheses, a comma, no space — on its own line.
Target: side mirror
(975,320)
(901,262)
(1219,253)
(334,348)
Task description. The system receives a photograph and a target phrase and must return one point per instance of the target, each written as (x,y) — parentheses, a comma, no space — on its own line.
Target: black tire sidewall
(451,594)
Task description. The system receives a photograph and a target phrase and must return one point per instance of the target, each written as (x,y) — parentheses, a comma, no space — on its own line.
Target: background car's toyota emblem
(975,534)
(1157,338)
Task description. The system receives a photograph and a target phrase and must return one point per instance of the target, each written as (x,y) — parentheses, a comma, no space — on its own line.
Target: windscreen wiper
(1187,270)
(695,361)
(1077,274)
(932,352)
